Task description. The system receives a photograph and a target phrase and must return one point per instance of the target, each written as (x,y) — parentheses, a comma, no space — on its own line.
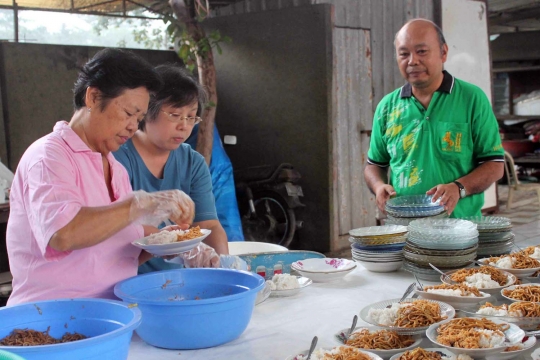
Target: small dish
(303,355)
(529,342)
(382,266)
(520,273)
(385,354)
(454,301)
(171,248)
(372,231)
(513,335)
(302,281)
(326,265)
(445,353)
(513,287)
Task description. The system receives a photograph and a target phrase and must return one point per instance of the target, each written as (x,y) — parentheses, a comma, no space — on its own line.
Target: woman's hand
(154,208)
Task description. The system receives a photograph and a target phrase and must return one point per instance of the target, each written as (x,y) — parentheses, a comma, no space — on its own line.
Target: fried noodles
(420,354)
(465,290)
(19,337)
(467,333)
(419,314)
(340,353)
(496,275)
(520,261)
(382,340)
(525,309)
(524,293)
(189,234)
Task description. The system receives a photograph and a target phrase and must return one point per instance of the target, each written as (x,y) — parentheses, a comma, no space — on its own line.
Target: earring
(89,109)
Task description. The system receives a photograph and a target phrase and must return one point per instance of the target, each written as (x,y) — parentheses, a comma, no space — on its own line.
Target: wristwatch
(462,192)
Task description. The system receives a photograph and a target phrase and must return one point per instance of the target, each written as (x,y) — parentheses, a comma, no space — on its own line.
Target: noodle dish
(525,292)
(429,354)
(485,278)
(524,314)
(519,263)
(454,295)
(336,353)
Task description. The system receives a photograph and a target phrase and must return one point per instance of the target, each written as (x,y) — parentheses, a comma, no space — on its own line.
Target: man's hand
(448,193)
(382,194)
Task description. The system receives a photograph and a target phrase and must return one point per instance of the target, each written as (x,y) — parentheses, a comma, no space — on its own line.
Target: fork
(405,294)
(446,277)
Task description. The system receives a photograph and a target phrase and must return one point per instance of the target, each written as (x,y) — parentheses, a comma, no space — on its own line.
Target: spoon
(409,290)
(354,320)
(445,276)
(421,287)
(312,347)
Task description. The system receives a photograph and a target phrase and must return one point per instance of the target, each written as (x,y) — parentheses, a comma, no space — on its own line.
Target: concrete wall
(36,84)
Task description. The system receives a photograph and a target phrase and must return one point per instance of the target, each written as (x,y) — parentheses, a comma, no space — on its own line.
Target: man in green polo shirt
(437,133)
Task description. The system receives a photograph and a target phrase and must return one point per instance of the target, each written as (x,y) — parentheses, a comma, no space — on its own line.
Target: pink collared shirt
(57,176)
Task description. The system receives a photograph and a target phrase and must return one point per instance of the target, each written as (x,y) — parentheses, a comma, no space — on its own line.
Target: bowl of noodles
(519,264)
(476,337)
(382,342)
(425,354)
(523,292)
(454,295)
(338,352)
(524,314)
(487,279)
(408,317)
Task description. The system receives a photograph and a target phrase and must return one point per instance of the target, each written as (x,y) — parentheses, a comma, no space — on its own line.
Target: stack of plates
(448,244)
(404,209)
(495,235)
(379,248)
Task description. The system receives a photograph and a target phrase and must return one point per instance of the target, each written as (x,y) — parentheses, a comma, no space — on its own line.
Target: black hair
(179,89)
(112,71)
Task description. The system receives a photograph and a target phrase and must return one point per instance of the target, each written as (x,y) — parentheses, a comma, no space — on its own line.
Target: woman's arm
(218,238)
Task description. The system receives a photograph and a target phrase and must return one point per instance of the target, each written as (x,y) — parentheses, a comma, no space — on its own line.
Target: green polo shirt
(437,145)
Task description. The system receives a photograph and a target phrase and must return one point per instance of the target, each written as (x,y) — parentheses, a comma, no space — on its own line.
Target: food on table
(283,282)
(167,237)
(492,310)
(454,290)
(532,251)
(524,293)
(337,353)
(484,277)
(514,348)
(514,261)
(517,309)
(414,314)
(469,333)
(381,339)
(26,337)
(422,354)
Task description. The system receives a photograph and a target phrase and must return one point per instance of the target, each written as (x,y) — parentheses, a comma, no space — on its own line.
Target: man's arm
(376,179)
(475,182)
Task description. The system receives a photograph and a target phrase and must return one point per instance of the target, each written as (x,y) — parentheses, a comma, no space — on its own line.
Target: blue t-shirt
(185,170)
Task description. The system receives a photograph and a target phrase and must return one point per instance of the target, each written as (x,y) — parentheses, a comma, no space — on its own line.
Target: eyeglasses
(177,118)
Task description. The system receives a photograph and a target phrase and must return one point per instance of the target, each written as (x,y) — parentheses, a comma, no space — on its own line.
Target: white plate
(506,355)
(323,265)
(323,277)
(536,354)
(378,230)
(171,248)
(371,355)
(448,355)
(446,310)
(518,286)
(303,281)
(453,300)
(513,335)
(520,273)
(253,247)
(385,354)
(496,291)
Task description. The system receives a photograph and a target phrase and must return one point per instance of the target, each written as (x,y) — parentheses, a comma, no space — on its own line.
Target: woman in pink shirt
(73,215)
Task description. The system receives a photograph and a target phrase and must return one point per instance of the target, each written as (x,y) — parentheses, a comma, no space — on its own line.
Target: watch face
(462,193)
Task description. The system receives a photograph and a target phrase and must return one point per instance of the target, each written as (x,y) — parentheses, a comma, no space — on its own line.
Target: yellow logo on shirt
(393,130)
(408,142)
(452,143)
(414,177)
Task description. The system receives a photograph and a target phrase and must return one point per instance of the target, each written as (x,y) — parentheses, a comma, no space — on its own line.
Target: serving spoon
(446,277)
(354,321)
(312,347)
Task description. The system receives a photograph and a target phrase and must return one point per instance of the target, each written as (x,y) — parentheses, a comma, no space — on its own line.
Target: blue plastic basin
(108,324)
(192,308)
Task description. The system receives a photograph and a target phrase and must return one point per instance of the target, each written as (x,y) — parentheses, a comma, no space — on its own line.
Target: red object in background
(518,148)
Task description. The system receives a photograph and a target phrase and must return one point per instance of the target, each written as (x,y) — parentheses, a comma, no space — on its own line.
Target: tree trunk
(207,78)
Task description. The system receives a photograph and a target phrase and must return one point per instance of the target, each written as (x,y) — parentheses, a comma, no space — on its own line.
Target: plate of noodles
(408,317)
(519,264)
(511,352)
(476,337)
(425,354)
(382,342)
(524,314)
(454,295)
(487,279)
(338,352)
(523,292)
(172,242)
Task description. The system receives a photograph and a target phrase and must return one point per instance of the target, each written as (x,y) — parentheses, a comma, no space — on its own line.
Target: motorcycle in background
(267,198)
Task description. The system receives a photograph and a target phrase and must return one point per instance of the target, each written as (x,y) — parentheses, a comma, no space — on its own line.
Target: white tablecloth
(281,327)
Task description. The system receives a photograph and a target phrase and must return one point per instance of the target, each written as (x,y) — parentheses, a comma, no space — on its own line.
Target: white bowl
(385,354)
(171,248)
(448,355)
(506,355)
(513,335)
(536,354)
(381,266)
(515,287)
(324,276)
(303,281)
(371,355)
(323,265)
(446,310)
(253,247)
(455,301)
(520,273)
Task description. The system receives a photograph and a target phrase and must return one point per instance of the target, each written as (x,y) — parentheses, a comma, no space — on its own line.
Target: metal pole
(16,20)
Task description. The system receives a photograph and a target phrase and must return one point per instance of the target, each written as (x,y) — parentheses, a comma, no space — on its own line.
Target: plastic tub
(253,247)
(108,324)
(192,308)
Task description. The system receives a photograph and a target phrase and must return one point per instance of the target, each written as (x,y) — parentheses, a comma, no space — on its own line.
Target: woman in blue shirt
(156,157)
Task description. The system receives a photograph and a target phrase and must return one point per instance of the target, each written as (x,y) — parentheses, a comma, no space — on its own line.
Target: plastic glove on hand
(154,208)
